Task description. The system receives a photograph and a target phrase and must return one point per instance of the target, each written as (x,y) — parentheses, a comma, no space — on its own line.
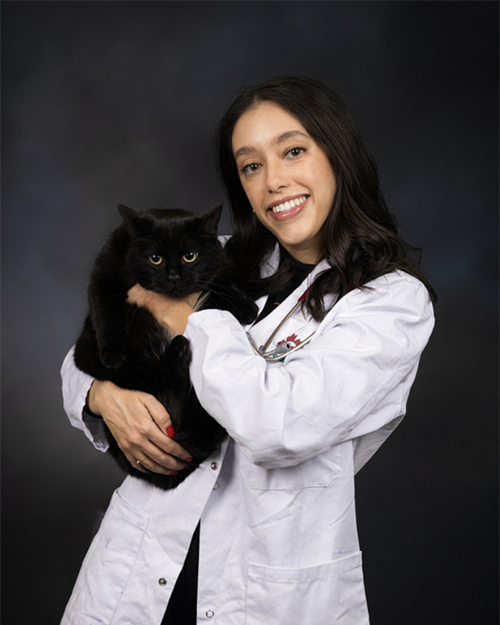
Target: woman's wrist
(176,319)
(92,401)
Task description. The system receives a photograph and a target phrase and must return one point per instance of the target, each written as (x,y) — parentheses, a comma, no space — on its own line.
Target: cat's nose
(174,277)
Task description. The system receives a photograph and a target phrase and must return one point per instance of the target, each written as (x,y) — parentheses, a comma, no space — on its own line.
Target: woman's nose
(276,176)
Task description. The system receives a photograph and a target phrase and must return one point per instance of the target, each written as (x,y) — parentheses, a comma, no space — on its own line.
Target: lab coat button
(216,485)
(209,614)
(162,581)
(213,465)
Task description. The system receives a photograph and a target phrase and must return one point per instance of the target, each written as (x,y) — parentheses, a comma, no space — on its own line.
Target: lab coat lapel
(299,325)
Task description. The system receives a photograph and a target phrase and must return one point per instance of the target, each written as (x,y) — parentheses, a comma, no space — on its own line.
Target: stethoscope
(287,347)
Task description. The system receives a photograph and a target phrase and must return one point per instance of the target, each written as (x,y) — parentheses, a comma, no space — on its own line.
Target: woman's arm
(75,388)
(352,379)
(138,421)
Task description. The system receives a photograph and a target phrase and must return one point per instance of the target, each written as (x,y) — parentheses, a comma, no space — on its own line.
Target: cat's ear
(126,213)
(132,218)
(210,221)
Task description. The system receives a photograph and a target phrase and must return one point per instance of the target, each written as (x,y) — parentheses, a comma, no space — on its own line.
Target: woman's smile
(288,206)
(286,176)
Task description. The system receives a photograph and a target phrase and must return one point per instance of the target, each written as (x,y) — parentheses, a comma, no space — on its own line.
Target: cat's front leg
(112,354)
(175,382)
(180,354)
(109,322)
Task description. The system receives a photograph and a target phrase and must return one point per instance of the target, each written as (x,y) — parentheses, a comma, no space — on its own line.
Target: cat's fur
(123,343)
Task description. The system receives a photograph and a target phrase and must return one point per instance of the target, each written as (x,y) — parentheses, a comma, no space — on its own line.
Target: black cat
(168,251)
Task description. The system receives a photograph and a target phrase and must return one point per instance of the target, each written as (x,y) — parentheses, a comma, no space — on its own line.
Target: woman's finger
(137,464)
(149,465)
(173,458)
(158,414)
(154,460)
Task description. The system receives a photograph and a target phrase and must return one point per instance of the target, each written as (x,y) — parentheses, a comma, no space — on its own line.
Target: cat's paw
(181,351)
(244,309)
(112,358)
(247,314)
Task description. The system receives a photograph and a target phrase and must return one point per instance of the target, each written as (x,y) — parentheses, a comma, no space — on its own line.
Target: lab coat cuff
(75,388)
(203,319)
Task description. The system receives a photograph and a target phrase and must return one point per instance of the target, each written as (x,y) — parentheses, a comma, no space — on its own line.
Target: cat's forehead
(175,220)
(170,213)
(170,226)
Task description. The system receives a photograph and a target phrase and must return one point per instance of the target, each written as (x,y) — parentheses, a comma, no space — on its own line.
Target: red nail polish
(173,474)
(188,460)
(170,432)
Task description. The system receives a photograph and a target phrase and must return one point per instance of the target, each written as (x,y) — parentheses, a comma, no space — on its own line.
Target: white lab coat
(278,540)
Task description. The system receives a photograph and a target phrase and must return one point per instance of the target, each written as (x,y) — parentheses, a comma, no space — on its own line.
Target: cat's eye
(189,257)
(155,259)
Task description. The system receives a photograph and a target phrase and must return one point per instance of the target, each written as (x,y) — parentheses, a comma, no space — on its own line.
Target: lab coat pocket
(330,593)
(317,472)
(110,560)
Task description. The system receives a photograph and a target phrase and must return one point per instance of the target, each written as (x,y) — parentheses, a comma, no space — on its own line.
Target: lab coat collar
(300,325)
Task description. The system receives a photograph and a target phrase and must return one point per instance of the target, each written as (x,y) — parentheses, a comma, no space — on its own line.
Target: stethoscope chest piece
(283,348)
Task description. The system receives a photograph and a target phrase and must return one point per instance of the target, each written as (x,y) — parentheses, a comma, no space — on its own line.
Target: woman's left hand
(170,312)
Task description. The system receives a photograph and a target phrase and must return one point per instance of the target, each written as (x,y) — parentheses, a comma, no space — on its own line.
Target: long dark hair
(361,240)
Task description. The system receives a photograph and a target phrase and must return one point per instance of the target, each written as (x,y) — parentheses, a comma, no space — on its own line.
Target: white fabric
(278,537)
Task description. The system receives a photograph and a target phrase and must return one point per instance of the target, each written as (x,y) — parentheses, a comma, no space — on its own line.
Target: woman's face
(287,178)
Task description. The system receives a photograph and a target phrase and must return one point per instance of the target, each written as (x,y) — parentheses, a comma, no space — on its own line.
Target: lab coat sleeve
(352,379)
(75,387)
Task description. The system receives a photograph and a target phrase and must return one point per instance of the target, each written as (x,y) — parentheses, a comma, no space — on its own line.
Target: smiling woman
(344,314)
(287,178)
(293,137)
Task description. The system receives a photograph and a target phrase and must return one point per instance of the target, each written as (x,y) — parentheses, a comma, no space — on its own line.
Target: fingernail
(170,432)
(173,474)
(188,460)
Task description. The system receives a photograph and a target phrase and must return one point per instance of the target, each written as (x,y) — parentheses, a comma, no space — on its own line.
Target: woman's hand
(170,312)
(141,426)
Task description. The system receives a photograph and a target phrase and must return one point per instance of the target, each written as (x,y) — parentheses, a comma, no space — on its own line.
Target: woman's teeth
(287,206)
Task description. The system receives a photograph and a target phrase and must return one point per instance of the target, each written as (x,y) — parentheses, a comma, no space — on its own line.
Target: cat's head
(173,251)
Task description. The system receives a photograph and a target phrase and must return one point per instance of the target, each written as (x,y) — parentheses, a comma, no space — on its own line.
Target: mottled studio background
(116,102)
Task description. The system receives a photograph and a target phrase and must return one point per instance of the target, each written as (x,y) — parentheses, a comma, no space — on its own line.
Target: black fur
(123,343)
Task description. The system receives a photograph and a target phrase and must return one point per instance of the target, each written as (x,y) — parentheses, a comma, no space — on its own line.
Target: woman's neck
(307,255)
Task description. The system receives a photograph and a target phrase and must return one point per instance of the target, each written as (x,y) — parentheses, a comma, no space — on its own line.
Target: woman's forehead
(266,124)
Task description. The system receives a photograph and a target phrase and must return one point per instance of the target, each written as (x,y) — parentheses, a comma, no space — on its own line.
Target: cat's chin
(177,293)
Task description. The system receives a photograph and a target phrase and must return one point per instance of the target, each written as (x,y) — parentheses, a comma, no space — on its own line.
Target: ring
(139,461)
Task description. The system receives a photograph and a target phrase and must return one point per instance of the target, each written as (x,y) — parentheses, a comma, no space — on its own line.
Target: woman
(266,526)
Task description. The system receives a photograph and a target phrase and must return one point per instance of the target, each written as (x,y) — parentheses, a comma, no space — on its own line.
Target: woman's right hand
(140,425)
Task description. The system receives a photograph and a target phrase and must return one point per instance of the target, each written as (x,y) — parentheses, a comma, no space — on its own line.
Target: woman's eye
(251,168)
(189,257)
(155,259)
(296,152)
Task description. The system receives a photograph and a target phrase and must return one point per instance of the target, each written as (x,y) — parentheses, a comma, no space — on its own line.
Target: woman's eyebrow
(245,150)
(289,135)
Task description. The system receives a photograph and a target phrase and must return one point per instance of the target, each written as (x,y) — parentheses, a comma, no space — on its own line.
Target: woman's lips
(288,207)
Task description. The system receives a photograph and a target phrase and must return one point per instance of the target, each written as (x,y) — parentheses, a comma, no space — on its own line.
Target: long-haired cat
(168,251)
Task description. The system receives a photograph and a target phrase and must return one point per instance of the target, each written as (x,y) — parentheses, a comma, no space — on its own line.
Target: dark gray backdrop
(116,102)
